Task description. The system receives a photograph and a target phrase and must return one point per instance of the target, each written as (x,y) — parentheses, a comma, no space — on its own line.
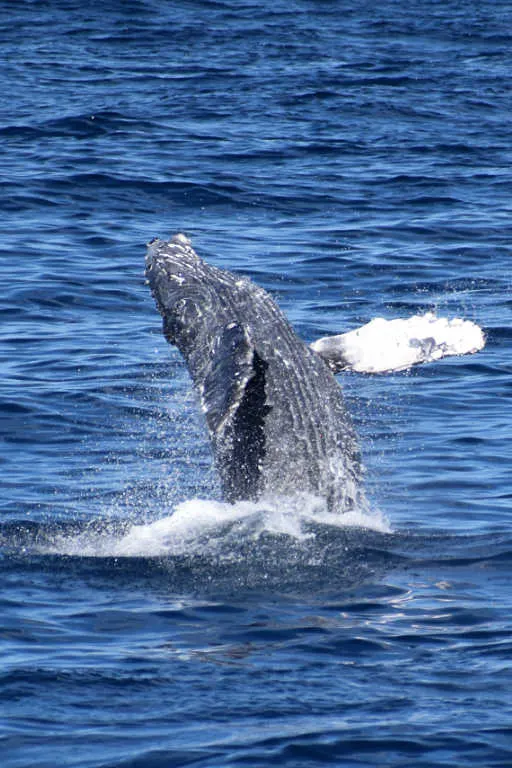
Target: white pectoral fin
(384,346)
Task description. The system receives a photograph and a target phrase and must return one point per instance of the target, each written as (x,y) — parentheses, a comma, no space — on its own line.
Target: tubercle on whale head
(180,239)
(178,248)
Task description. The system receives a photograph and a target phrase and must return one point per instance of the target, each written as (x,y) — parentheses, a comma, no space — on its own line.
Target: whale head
(183,289)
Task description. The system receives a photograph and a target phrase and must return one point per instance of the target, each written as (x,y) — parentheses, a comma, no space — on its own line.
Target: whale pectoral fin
(385,346)
(235,405)
(332,350)
(231,367)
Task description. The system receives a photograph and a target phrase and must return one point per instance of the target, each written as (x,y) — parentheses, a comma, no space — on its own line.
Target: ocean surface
(355,160)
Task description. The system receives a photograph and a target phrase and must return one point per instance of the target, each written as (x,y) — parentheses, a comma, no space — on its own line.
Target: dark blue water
(354,159)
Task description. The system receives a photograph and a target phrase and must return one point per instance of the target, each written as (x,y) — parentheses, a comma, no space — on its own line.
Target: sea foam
(204,527)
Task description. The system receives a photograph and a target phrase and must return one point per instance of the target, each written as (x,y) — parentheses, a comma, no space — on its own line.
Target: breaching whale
(275,414)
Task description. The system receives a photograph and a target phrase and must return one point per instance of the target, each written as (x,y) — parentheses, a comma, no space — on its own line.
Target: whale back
(275,413)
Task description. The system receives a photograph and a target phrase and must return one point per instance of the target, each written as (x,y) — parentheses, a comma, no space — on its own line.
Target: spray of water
(203,527)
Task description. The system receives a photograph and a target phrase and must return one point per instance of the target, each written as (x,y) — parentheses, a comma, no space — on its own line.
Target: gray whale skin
(276,417)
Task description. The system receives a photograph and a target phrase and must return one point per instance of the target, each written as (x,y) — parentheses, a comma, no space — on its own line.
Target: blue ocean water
(355,160)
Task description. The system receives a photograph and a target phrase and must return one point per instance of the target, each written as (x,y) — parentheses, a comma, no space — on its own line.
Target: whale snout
(172,262)
(178,250)
(181,285)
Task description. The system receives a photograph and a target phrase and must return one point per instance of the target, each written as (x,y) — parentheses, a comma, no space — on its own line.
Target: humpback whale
(276,416)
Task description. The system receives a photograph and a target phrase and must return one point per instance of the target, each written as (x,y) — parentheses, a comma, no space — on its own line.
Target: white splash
(382,346)
(202,527)
(197,525)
